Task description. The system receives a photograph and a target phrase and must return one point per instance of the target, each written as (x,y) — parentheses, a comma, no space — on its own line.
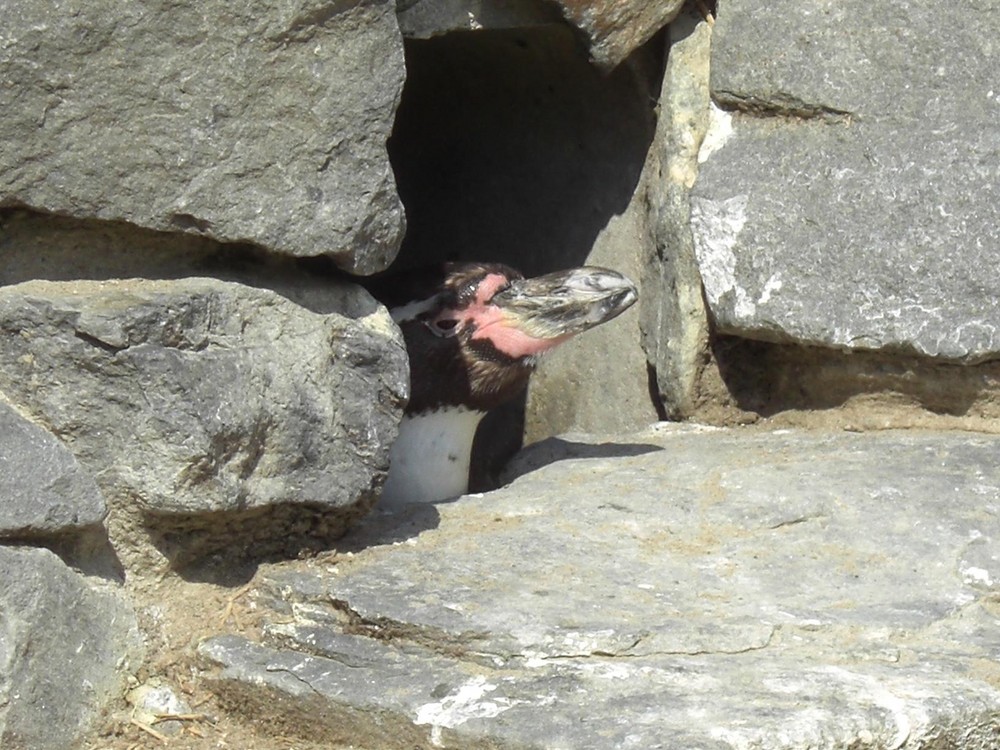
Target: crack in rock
(385,629)
(99,343)
(275,669)
(782,105)
(349,621)
(734,651)
(797,521)
(337,615)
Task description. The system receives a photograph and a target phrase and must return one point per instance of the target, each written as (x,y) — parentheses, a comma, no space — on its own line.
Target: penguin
(474,333)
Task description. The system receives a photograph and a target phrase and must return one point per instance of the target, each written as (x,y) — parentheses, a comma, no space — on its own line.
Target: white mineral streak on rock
(716,226)
(773,284)
(460,706)
(908,717)
(973,575)
(608,671)
(720,129)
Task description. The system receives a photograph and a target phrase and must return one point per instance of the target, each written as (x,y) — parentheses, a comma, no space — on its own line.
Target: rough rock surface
(682,588)
(43,490)
(265,124)
(851,192)
(199,395)
(64,649)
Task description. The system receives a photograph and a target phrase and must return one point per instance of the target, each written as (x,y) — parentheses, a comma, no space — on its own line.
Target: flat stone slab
(850,193)
(685,587)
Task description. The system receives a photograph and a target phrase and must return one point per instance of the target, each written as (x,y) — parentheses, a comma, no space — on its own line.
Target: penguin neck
(430,459)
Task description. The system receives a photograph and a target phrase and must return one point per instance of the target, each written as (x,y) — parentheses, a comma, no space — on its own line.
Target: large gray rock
(851,199)
(43,490)
(64,650)
(682,588)
(265,125)
(197,396)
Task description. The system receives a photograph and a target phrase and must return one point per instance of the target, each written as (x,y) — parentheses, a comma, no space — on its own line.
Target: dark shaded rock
(563,146)
(600,382)
(43,490)
(265,125)
(199,396)
(616,28)
(64,649)
(422,19)
(680,588)
(849,194)
(612,29)
(38,246)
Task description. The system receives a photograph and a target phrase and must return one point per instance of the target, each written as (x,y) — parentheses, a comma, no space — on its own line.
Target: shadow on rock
(226,547)
(87,550)
(560,449)
(391,525)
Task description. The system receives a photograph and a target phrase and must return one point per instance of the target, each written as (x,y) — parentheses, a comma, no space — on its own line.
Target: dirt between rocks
(175,614)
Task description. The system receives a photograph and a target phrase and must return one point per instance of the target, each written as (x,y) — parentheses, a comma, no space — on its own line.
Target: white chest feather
(430,458)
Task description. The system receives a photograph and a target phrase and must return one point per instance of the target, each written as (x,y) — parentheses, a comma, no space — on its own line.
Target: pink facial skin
(488,321)
(489,286)
(512,341)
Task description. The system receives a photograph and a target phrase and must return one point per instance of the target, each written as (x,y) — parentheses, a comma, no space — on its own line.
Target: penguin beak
(562,304)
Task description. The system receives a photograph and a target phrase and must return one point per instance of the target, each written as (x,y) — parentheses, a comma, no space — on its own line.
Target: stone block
(683,587)
(263,124)
(849,195)
(671,307)
(197,396)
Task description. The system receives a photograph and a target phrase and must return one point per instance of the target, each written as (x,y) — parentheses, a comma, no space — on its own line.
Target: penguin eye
(443,326)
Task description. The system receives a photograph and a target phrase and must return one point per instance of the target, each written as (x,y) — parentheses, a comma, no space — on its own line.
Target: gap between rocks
(795,385)
(509,145)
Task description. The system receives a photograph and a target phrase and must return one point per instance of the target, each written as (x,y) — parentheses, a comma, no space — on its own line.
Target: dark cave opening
(510,146)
